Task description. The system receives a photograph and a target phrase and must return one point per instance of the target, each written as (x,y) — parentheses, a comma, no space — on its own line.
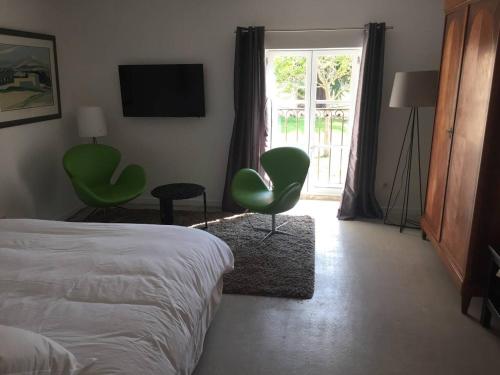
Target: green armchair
(287,169)
(90,168)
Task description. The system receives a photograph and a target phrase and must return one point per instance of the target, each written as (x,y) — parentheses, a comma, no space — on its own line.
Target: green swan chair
(90,168)
(287,169)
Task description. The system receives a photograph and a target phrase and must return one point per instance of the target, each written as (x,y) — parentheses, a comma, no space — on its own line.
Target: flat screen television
(168,90)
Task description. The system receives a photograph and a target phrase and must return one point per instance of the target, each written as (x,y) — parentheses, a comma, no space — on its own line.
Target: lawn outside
(328,146)
(330,130)
(292,124)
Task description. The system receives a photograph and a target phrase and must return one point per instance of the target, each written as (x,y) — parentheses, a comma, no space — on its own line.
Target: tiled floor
(383,304)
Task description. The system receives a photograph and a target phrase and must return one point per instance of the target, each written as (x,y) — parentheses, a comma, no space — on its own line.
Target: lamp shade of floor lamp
(91,122)
(410,90)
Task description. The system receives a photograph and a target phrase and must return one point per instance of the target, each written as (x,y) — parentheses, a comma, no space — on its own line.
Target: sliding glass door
(311,98)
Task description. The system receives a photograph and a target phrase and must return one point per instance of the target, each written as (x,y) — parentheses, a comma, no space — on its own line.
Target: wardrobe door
(450,4)
(468,135)
(451,63)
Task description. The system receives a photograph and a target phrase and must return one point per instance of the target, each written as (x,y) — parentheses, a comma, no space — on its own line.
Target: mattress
(128,298)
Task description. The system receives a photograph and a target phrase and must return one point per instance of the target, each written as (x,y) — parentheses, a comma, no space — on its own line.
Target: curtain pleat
(358,199)
(248,140)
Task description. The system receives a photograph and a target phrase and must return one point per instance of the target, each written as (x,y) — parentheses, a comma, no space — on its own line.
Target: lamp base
(405,174)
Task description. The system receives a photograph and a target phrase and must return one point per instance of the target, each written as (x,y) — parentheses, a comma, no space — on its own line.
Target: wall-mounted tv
(168,90)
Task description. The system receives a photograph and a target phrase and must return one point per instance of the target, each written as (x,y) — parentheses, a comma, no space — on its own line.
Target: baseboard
(195,204)
(77,214)
(395,214)
(82,212)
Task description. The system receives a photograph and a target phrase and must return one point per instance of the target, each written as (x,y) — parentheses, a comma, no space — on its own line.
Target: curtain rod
(319,30)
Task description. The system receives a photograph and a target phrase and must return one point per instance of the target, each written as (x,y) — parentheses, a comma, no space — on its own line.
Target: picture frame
(29,78)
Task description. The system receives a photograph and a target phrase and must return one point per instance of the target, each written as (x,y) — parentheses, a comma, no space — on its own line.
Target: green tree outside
(290,73)
(334,76)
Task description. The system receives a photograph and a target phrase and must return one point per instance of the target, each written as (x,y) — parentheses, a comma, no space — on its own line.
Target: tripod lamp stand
(410,90)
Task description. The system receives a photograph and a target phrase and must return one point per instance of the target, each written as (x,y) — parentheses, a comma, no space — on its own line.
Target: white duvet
(136,298)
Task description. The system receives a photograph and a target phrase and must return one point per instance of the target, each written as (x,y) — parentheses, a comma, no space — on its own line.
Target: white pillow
(24,352)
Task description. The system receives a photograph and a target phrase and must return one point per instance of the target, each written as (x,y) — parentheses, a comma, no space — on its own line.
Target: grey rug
(281,266)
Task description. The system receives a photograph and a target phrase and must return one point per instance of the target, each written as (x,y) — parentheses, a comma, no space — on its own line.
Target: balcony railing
(327,141)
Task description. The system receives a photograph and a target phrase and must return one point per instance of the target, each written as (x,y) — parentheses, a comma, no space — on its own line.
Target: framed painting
(29,81)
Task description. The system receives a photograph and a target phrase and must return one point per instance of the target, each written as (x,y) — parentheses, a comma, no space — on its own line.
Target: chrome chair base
(274,229)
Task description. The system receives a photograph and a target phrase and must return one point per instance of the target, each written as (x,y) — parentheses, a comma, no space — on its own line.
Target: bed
(123,298)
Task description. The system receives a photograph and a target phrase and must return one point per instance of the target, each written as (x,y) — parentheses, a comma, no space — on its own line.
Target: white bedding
(137,298)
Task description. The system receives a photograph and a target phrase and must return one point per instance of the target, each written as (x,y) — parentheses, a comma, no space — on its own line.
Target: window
(311,100)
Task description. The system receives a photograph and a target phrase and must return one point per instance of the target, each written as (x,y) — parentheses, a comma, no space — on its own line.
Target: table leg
(167,211)
(205,208)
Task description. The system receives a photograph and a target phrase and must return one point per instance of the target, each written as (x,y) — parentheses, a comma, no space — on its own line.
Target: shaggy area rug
(281,266)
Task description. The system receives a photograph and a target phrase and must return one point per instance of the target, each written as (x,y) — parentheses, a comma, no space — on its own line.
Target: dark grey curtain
(358,198)
(249,129)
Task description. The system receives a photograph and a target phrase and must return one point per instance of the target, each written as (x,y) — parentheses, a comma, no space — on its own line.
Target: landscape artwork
(25,80)
(28,88)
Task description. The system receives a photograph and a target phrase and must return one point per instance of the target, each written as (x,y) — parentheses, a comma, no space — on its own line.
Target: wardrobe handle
(449,131)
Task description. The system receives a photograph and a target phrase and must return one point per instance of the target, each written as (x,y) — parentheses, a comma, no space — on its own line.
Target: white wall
(99,35)
(32,180)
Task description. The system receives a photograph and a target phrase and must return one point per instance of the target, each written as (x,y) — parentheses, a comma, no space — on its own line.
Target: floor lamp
(410,90)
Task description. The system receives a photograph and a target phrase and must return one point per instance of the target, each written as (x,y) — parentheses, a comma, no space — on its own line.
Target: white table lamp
(91,122)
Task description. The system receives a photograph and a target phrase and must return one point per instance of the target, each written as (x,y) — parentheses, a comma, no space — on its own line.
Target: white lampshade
(91,122)
(414,89)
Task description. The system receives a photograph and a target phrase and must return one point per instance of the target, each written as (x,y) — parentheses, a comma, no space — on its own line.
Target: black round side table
(170,192)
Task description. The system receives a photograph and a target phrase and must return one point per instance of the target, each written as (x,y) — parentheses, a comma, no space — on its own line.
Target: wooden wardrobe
(462,208)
